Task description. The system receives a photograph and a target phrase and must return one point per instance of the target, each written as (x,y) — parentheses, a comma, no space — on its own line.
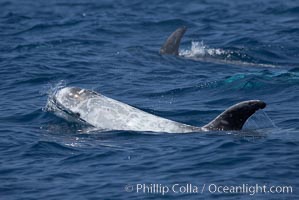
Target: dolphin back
(105,113)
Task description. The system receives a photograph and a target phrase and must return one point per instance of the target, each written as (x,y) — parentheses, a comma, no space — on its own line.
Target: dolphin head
(71,97)
(66,103)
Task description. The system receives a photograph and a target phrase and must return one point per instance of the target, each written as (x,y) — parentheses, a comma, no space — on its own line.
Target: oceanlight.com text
(176,188)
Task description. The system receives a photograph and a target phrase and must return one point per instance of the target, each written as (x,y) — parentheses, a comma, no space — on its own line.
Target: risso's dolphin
(172,44)
(105,113)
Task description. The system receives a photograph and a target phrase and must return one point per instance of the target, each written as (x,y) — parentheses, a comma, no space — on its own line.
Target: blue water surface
(232,51)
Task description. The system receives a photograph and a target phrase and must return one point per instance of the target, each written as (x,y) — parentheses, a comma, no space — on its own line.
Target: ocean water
(232,51)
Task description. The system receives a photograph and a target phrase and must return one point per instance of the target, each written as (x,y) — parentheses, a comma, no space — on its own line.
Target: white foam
(200,49)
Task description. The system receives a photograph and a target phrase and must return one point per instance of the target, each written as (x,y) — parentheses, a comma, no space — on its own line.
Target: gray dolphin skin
(172,44)
(234,117)
(105,113)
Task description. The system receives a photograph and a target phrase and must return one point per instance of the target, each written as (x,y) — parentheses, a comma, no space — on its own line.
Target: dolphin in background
(104,113)
(172,44)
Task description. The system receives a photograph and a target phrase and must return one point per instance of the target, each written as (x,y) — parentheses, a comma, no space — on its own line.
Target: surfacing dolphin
(105,113)
(172,44)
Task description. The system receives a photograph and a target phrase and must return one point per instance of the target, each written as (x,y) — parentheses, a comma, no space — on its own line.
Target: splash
(260,120)
(201,52)
(199,49)
(51,92)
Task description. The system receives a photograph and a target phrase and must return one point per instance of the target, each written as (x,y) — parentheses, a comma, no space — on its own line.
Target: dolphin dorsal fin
(172,44)
(234,117)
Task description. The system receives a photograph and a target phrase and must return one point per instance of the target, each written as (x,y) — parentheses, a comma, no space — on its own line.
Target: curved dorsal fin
(235,116)
(172,44)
